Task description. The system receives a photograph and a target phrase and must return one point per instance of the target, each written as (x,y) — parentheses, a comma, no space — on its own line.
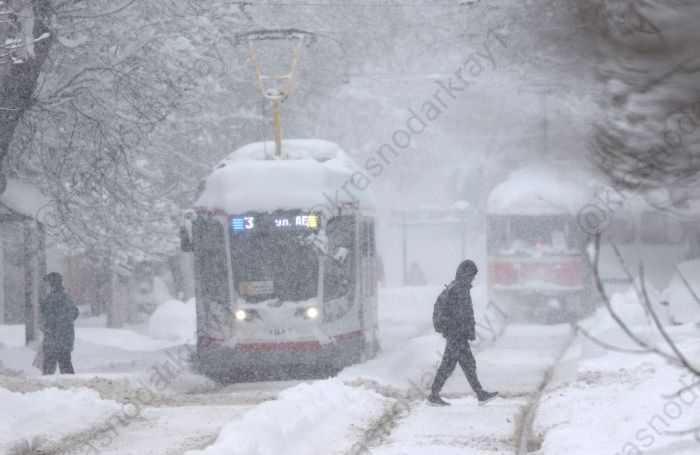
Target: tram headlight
(311,312)
(241,315)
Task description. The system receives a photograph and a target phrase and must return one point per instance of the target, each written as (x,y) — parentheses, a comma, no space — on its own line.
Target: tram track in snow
(380,428)
(462,425)
(160,430)
(526,443)
(171,423)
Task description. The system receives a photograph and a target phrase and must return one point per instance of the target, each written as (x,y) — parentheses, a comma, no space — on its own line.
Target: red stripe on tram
(349,336)
(210,341)
(312,344)
(274,346)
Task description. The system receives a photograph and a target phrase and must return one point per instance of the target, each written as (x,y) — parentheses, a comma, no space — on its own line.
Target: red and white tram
(538,269)
(285,261)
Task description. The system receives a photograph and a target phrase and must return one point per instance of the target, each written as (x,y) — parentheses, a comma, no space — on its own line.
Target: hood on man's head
(54,279)
(466,270)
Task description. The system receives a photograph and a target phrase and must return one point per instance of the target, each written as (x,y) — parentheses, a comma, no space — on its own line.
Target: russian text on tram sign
(248,223)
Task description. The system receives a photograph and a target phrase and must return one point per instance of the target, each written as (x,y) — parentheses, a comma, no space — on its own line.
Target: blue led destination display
(243,223)
(278,221)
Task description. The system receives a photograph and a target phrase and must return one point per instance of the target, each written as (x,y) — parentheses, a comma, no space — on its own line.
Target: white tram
(285,261)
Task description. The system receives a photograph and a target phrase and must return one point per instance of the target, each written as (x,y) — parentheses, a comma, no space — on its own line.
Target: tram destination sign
(277,221)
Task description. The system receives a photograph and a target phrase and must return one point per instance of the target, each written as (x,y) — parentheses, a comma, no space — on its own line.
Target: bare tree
(668,349)
(649,63)
(114,75)
(27,39)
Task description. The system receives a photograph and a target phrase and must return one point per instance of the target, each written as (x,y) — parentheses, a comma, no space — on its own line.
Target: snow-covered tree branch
(650,140)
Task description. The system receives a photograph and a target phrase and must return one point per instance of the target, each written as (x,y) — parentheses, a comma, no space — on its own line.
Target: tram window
(364,238)
(522,234)
(277,264)
(210,255)
(533,230)
(339,277)
(367,238)
(341,231)
(496,233)
(660,229)
(506,233)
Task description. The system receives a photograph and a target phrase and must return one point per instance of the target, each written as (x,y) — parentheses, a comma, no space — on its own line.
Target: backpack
(441,319)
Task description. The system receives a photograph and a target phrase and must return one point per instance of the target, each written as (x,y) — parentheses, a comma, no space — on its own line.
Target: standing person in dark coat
(461,328)
(58,313)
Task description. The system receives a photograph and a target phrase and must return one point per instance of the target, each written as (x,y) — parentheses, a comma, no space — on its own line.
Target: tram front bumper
(542,305)
(263,356)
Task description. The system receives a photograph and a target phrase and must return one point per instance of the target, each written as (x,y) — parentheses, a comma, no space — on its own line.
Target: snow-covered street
(349,227)
(376,407)
(516,365)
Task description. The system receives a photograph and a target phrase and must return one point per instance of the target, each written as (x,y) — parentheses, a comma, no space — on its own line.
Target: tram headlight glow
(241,315)
(312,312)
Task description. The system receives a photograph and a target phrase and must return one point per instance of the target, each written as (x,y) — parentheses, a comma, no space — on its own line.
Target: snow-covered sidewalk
(99,349)
(618,403)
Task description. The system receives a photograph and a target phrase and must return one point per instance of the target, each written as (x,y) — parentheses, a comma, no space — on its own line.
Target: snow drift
(51,413)
(174,321)
(278,426)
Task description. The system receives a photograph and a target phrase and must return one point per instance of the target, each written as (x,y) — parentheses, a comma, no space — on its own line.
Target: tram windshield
(272,257)
(534,235)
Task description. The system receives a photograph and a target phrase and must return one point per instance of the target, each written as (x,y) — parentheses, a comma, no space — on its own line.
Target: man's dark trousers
(457,350)
(63,359)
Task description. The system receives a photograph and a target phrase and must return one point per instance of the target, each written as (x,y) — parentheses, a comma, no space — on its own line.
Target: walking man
(58,313)
(454,318)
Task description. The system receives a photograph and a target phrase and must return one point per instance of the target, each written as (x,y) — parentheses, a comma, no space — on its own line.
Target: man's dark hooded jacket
(459,309)
(58,314)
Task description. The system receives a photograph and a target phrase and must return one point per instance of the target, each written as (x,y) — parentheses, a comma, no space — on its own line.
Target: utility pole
(2,277)
(30,313)
(543,90)
(404,245)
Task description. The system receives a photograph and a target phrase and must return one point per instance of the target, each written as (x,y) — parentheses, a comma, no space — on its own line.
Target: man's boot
(484,396)
(435,400)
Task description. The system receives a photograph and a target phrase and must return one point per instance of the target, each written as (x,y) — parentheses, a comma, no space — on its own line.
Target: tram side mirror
(186,240)
(319,242)
(341,254)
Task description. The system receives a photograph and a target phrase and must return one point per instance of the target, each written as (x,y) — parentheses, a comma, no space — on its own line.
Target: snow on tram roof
(541,189)
(294,149)
(314,175)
